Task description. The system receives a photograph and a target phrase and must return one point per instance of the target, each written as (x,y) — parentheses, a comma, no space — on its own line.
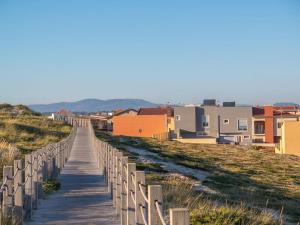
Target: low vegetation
(178,192)
(252,185)
(23,131)
(51,185)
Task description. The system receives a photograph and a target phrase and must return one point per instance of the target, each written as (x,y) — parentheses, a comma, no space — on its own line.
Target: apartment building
(224,124)
(268,120)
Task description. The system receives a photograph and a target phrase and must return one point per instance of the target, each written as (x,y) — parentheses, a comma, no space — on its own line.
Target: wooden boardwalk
(83,198)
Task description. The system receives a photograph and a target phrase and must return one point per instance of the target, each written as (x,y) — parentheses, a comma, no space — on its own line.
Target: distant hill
(93,105)
(18,110)
(286,104)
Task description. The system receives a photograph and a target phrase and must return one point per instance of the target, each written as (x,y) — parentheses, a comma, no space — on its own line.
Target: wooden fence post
(118,182)
(34,180)
(124,162)
(45,165)
(18,191)
(53,161)
(114,178)
(179,217)
(131,167)
(28,186)
(111,178)
(140,185)
(49,162)
(56,158)
(154,195)
(61,155)
(40,173)
(7,193)
(97,151)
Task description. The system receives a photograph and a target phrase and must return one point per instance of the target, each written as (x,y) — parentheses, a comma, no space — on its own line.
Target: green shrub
(51,186)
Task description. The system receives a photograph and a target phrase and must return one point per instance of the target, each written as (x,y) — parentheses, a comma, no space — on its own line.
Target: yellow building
(290,138)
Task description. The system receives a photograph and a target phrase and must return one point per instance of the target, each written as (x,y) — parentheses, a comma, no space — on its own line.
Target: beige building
(290,138)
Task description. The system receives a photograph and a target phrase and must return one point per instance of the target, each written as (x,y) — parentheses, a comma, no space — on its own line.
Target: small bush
(51,186)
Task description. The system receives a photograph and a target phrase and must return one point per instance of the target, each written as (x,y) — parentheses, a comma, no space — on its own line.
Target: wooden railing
(135,202)
(22,183)
(162,136)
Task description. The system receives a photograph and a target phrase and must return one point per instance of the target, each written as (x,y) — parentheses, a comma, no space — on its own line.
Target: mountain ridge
(92,105)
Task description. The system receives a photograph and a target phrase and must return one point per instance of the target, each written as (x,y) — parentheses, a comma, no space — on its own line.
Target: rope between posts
(143,193)
(133,180)
(16,189)
(125,169)
(158,209)
(132,197)
(4,184)
(16,172)
(143,215)
(125,186)
(27,165)
(27,179)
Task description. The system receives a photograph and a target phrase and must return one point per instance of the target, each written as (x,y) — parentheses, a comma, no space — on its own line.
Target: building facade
(290,140)
(140,125)
(268,120)
(225,124)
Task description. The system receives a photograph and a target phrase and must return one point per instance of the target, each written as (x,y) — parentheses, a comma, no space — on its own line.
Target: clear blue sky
(159,50)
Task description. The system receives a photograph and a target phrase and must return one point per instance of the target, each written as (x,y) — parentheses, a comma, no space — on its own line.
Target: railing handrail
(127,187)
(40,166)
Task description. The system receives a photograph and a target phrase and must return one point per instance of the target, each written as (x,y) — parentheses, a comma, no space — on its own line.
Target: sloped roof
(120,112)
(157,111)
(64,112)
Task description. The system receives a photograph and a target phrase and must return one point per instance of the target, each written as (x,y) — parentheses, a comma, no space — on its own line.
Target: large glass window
(242,125)
(205,120)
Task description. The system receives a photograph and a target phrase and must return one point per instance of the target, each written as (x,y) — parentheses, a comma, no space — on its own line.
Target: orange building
(140,125)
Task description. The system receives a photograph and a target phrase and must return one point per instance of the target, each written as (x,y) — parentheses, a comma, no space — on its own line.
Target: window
(259,127)
(205,120)
(279,125)
(177,117)
(242,125)
(226,121)
(246,137)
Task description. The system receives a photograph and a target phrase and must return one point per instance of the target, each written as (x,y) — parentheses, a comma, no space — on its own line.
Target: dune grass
(178,192)
(29,133)
(253,177)
(26,131)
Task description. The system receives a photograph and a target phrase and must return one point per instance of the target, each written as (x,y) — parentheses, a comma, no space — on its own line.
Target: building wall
(191,122)
(171,124)
(197,140)
(233,114)
(140,126)
(213,129)
(290,142)
(269,124)
(187,120)
(230,130)
(278,120)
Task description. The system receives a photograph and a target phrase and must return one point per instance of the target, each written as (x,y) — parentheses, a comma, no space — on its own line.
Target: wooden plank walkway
(83,198)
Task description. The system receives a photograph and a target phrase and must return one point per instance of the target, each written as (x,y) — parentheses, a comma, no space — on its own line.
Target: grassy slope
(29,133)
(259,178)
(27,130)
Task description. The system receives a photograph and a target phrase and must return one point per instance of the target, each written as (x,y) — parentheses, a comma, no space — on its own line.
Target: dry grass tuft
(178,192)
(255,176)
